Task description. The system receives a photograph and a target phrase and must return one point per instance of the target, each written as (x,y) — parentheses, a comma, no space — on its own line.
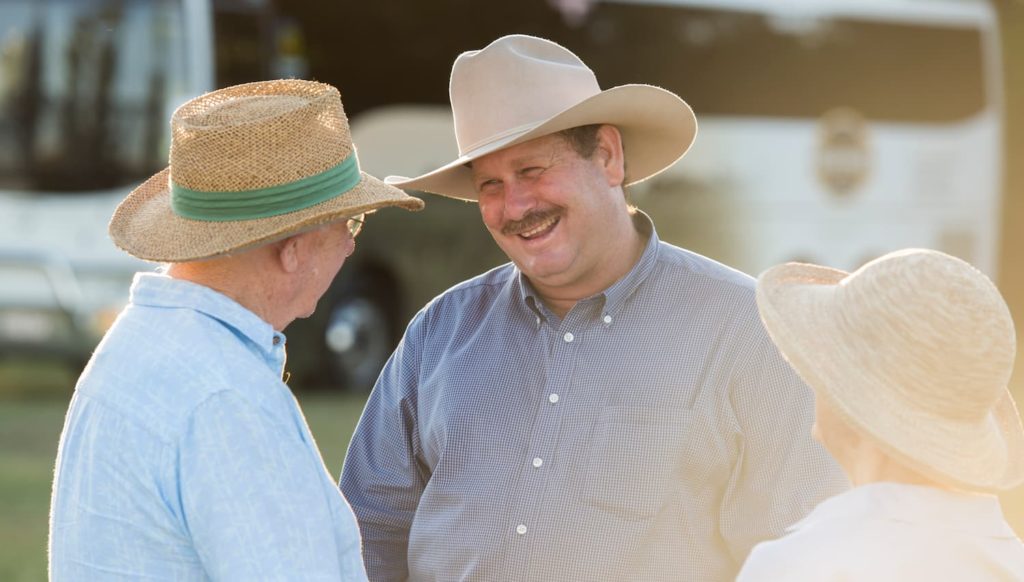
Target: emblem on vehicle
(843,159)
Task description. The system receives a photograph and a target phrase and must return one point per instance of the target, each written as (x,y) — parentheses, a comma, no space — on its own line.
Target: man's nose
(520,199)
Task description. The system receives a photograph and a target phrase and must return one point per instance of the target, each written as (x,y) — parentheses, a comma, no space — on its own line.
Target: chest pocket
(636,458)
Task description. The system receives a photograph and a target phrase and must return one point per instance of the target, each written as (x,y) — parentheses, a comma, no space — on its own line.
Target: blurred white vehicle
(86,91)
(830,131)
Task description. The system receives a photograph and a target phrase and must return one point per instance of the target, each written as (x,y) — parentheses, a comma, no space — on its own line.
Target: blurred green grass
(33,400)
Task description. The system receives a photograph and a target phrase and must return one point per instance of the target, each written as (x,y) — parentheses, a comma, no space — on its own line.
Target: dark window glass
(748,64)
(244,41)
(85,91)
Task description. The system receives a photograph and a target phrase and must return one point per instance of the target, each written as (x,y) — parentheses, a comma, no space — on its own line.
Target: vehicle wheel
(357,338)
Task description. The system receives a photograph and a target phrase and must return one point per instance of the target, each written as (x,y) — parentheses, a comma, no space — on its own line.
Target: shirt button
(277,339)
(521,529)
(553,398)
(607,318)
(568,337)
(537,462)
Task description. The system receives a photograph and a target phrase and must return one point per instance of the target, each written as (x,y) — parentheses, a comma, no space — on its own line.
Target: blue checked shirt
(654,433)
(185,457)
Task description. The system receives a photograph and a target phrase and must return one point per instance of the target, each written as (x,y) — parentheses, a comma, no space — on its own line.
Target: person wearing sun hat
(604,407)
(909,358)
(184,456)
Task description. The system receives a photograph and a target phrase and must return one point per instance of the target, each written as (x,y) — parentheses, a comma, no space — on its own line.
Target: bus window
(737,63)
(85,91)
(243,40)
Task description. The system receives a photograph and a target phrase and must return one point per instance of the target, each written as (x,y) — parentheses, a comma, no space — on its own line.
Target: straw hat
(521,87)
(914,350)
(250,164)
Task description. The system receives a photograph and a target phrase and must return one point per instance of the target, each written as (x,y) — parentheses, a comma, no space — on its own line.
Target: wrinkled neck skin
(247,277)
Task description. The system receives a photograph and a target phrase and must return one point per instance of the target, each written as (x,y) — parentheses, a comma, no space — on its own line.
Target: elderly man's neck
(247,277)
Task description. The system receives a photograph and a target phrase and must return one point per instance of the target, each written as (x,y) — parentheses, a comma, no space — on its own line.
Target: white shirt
(894,531)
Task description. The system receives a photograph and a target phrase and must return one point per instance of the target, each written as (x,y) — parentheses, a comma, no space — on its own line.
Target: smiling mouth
(541,229)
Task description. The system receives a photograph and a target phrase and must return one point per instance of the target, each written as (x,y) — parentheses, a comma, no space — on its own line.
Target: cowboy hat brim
(657,129)
(799,306)
(145,226)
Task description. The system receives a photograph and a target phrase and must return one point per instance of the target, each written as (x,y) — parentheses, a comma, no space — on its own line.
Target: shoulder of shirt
(496,277)
(160,390)
(812,552)
(679,261)
(483,285)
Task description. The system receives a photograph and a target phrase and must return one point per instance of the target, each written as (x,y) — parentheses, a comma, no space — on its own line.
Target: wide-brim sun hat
(913,350)
(250,164)
(522,87)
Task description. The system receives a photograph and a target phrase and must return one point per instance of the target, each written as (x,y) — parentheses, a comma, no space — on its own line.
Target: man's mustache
(528,222)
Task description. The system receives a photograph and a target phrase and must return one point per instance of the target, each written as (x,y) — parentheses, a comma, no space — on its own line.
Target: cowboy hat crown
(522,87)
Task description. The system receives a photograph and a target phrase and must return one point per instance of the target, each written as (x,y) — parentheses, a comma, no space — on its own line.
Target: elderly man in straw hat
(184,456)
(605,407)
(909,358)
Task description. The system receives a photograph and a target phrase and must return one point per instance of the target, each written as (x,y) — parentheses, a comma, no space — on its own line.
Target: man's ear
(611,154)
(288,253)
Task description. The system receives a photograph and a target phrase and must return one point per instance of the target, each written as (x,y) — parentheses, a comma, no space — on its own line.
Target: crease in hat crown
(239,142)
(915,349)
(251,163)
(522,87)
(556,77)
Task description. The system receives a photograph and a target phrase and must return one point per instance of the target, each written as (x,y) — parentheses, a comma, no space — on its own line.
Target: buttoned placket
(562,340)
(278,356)
(277,352)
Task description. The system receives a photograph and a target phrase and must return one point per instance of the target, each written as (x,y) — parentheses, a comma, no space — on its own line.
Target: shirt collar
(973,513)
(160,290)
(617,294)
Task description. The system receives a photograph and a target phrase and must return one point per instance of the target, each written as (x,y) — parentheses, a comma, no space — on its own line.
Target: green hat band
(223,206)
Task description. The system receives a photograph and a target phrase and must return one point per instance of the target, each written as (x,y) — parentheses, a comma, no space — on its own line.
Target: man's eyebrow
(523,159)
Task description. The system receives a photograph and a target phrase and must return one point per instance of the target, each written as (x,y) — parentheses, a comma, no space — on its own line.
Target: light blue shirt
(185,457)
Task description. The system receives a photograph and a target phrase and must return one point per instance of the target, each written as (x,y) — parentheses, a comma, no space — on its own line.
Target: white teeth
(539,228)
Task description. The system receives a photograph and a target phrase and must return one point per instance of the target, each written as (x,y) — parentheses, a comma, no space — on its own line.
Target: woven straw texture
(915,350)
(521,87)
(241,138)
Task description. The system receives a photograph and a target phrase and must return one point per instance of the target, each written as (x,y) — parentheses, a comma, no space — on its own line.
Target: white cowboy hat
(522,87)
(914,350)
(250,164)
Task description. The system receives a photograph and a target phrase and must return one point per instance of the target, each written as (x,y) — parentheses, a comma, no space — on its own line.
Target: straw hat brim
(797,303)
(145,226)
(657,129)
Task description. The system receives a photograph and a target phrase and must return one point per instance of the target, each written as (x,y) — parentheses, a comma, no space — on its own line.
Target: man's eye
(486,185)
(532,171)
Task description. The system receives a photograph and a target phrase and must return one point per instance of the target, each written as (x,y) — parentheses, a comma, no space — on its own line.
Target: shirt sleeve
(383,477)
(255,502)
(781,472)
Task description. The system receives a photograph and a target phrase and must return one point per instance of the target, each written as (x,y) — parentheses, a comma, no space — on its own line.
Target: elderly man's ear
(294,250)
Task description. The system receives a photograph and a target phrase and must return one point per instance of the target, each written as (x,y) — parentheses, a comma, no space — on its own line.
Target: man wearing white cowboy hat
(605,407)
(184,456)
(909,358)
